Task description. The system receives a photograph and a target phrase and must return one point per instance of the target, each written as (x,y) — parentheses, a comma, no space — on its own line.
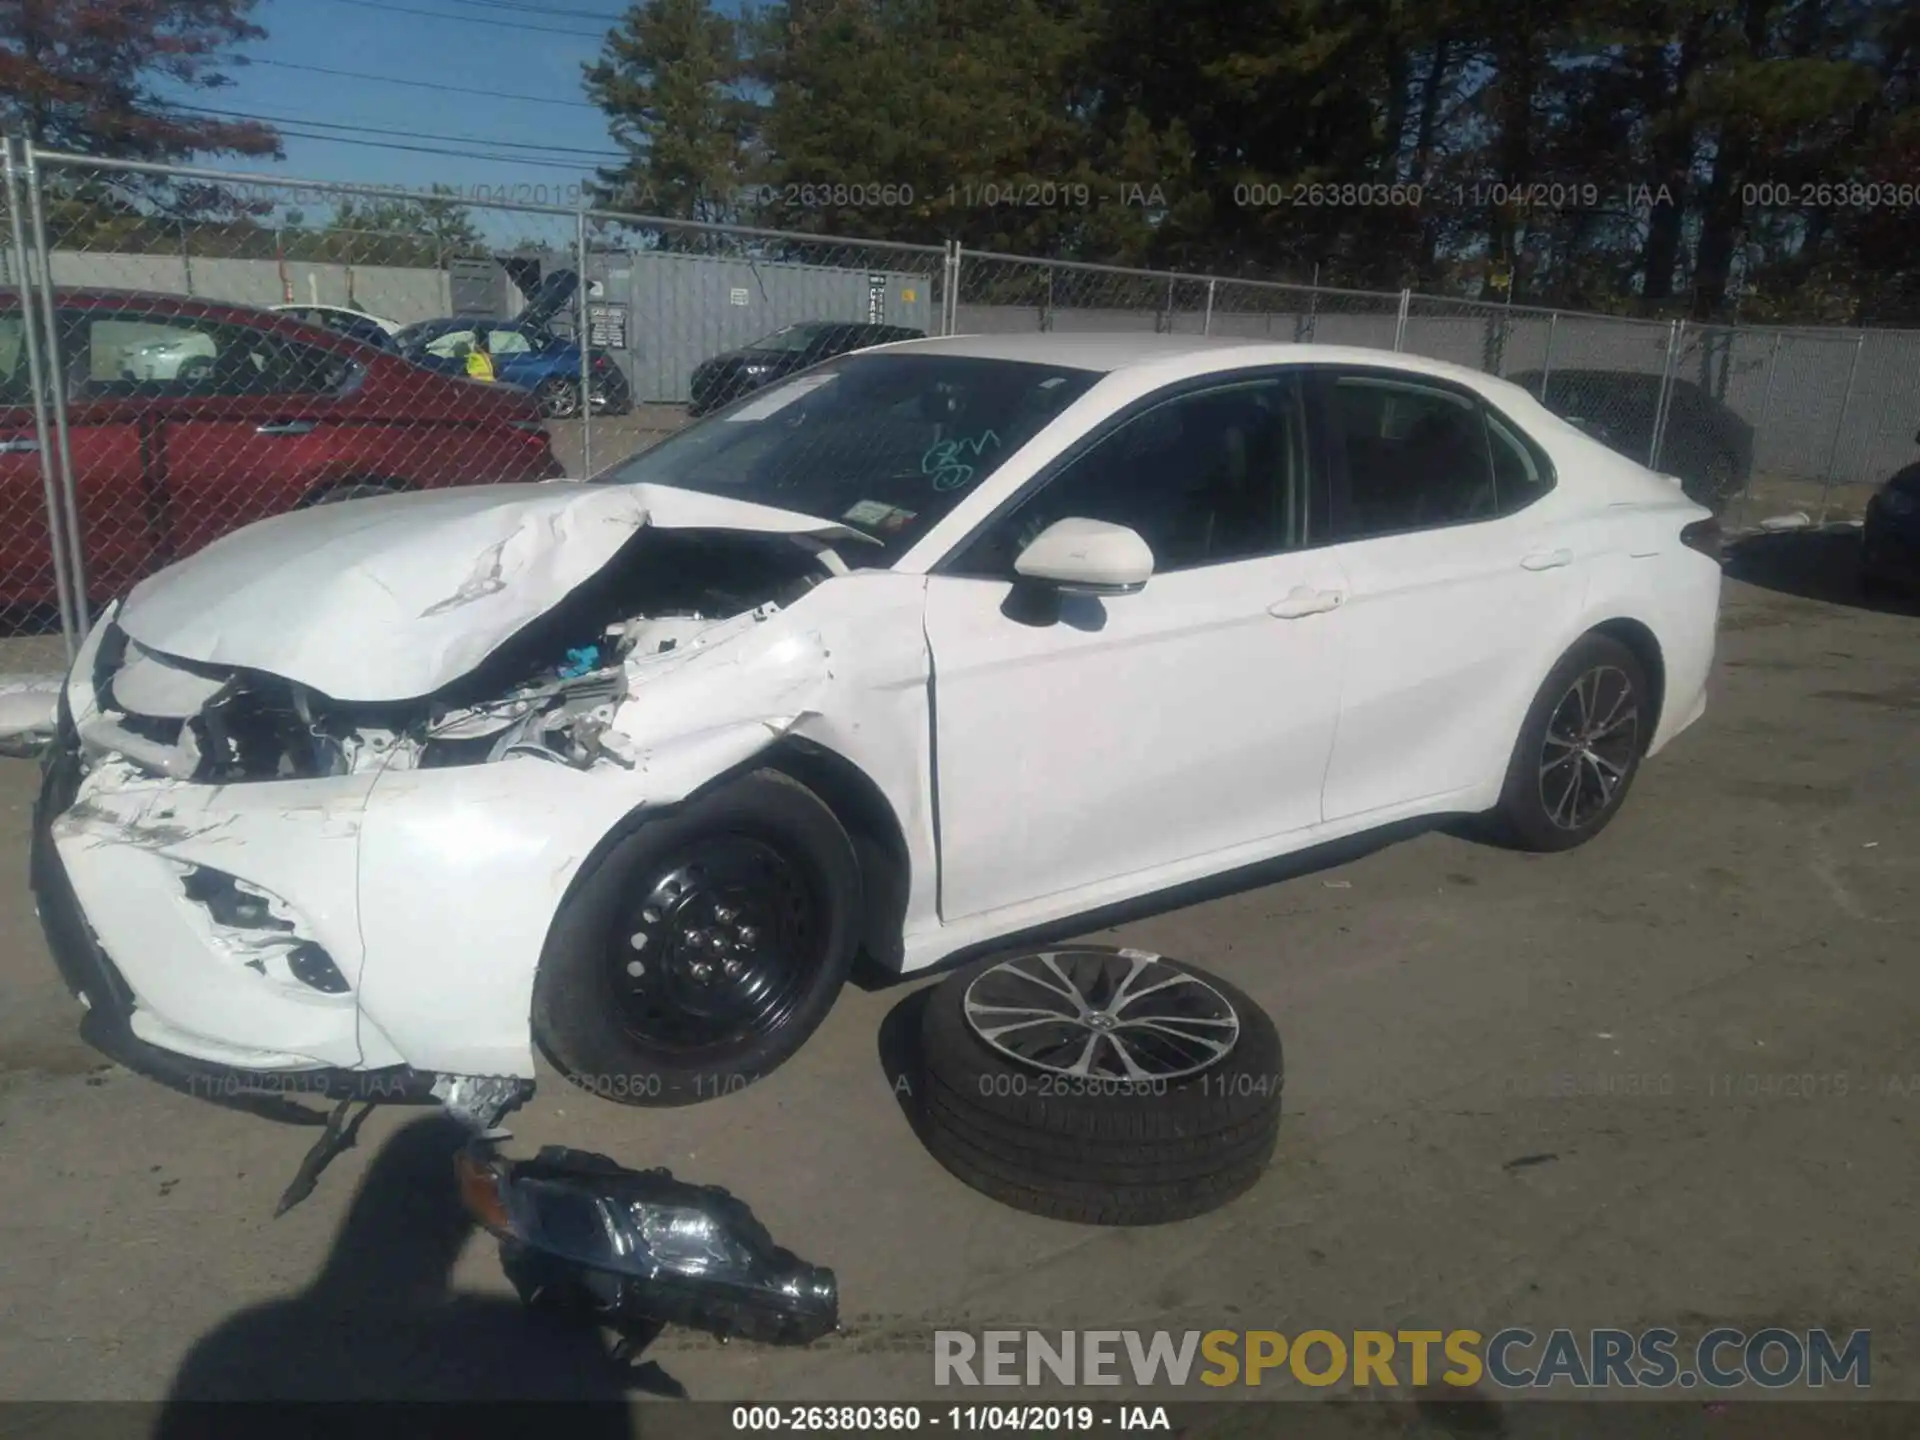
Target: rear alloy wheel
(1579,748)
(702,948)
(558,399)
(1111,1087)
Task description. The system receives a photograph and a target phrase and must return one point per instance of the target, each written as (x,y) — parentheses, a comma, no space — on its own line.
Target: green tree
(86,77)
(427,231)
(669,78)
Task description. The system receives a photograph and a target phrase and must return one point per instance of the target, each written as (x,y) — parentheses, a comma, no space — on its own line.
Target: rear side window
(108,355)
(1416,457)
(1420,457)
(1520,477)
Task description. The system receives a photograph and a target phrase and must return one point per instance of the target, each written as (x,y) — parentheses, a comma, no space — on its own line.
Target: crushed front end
(253,887)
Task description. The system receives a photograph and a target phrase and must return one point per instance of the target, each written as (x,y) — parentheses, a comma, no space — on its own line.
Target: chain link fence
(185,350)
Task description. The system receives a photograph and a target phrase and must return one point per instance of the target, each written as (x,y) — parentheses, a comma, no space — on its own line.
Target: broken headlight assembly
(644,1246)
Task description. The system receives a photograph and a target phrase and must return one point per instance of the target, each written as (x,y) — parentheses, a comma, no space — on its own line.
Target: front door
(1082,739)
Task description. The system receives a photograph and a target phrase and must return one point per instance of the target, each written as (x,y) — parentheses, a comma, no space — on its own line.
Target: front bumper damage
(172,961)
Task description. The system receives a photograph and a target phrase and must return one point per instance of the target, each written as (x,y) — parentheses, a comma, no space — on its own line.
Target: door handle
(1303,601)
(284,427)
(1547,560)
(19,446)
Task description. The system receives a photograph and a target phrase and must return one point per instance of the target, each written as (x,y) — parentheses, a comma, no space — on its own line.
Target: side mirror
(1077,556)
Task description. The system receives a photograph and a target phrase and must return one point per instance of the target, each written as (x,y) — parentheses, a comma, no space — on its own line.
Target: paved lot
(1699,1035)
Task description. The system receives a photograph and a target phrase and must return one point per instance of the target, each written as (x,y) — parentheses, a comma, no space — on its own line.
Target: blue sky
(507,50)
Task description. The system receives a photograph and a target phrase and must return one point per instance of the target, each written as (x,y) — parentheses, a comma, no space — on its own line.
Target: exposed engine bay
(550,691)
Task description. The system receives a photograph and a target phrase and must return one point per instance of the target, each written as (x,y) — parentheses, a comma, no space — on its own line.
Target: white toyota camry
(932,646)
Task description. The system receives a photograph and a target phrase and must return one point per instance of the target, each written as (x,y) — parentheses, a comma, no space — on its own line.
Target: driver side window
(1205,478)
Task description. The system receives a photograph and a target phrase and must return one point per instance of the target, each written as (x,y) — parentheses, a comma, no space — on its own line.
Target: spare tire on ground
(1111,1087)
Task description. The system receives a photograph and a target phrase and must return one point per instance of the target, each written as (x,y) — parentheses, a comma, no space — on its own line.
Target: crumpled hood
(395,597)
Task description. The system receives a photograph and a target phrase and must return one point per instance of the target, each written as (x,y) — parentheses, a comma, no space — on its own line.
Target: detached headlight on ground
(647,1246)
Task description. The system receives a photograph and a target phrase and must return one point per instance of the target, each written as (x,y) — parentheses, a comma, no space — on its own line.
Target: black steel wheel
(700,949)
(717,945)
(1579,748)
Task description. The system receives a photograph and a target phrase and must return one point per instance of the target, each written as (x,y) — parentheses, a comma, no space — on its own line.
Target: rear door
(1460,585)
(252,430)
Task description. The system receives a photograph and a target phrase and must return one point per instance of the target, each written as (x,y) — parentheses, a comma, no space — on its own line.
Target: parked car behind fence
(188,419)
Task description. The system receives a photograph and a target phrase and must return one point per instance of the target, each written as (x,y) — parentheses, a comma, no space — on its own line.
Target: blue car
(526,354)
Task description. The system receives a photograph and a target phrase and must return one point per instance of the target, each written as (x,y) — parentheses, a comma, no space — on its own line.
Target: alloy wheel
(1101,1014)
(559,400)
(1591,740)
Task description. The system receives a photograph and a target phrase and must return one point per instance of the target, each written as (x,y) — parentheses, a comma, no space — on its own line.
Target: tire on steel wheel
(700,950)
(1110,1087)
(1579,748)
(558,399)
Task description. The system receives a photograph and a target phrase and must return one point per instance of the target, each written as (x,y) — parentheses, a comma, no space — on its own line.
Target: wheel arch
(879,839)
(855,800)
(1638,637)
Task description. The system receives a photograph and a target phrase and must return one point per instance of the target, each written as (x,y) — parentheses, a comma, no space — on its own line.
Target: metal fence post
(1665,396)
(586,341)
(1206,321)
(1840,428)
(950,300)
(42,434)
(1766,410)
(1400,321)
(1546,361)
(57,392)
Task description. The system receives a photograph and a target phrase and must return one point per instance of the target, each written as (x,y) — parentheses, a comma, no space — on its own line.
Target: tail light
(601,364)
(1706,537)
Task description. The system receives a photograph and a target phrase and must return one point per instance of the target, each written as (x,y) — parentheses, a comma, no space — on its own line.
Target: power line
(386,9)
(416,84)
(268,179)
(557,150)
(600,16)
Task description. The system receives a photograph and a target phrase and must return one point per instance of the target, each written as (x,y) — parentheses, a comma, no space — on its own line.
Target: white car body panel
(397,596)
(1178,702)
(1219,717)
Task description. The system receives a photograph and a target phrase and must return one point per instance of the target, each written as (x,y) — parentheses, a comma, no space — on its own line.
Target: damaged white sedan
(933,645)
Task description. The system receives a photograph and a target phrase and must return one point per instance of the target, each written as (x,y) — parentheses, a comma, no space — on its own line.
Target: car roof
(1109,353)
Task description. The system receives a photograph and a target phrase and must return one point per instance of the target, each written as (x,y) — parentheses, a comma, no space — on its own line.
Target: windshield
(791,337)
(885,444)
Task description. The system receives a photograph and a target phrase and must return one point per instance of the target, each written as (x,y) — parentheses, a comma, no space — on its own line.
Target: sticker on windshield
(774,401)
(878,516)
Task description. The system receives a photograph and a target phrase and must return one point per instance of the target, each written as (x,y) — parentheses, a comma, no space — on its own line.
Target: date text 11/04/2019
(895,1419)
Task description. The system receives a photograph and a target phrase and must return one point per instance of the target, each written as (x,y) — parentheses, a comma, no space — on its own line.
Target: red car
(190,418)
